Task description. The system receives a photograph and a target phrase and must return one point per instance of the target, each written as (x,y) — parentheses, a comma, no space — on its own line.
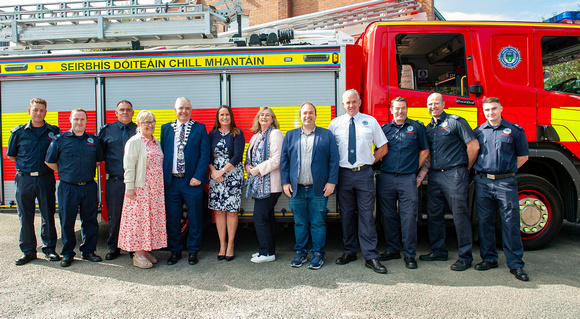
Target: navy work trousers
(502,194)
(356,192)
(401,188)
(29,188)
(73,200)
(114,195)
(449,189)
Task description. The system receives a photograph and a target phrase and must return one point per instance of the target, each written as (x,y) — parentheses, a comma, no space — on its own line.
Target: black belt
(306,185)
(356,169)
(34,173)
(80,183)
(116,177)
(396,174)
(496,176)
(178,175)
(451,168)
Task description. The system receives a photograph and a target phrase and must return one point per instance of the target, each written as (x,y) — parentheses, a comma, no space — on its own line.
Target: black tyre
(541,211)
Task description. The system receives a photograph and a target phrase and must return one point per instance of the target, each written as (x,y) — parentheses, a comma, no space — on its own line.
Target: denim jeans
(309,213)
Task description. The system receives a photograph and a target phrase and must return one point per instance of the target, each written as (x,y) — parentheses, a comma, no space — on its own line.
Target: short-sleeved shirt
(405,142)
(368,132)
(76,156)
(447,138)
(29,144)
(500,147)
(111,138)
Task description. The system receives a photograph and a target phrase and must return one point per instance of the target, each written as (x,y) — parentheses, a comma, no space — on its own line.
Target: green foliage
(562,72)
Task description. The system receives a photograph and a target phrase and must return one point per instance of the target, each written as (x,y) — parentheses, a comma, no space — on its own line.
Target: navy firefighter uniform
(113,137)
(398,181)
(449,183)
(34,180)
(77,158)
(496,189)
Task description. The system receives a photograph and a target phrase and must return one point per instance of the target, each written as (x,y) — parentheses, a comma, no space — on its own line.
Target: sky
(505,10)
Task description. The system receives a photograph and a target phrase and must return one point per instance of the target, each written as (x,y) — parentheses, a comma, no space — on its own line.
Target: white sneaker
(255,255)
(263,259)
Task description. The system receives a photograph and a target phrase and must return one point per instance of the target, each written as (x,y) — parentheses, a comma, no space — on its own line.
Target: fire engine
(310,58)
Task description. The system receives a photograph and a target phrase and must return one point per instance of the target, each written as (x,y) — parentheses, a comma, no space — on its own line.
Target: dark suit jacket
(324,165)
(196,152)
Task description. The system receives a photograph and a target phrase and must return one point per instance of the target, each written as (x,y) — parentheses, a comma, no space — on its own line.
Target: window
(561,64)
(433,62)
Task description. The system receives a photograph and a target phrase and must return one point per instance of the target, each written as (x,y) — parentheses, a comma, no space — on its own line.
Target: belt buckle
(356,169)
(490,176)
(82,183)
(33,173)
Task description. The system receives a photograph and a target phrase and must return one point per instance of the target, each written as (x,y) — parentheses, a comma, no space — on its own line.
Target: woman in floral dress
(143,218)
(227,176)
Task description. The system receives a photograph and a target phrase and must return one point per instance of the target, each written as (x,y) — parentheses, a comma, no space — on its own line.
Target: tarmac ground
(241,289)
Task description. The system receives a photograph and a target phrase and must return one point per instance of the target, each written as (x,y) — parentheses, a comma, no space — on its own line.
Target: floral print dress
(143,218)
(225,196)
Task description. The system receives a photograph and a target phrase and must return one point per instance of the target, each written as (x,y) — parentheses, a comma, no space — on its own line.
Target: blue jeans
(309,213)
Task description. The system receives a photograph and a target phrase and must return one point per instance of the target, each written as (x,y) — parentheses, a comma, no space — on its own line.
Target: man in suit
(309,173)
(185,146)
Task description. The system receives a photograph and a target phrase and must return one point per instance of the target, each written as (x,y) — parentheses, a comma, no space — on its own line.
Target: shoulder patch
(17,128)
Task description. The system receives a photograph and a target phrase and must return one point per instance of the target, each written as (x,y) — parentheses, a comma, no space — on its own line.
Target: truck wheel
(541,211)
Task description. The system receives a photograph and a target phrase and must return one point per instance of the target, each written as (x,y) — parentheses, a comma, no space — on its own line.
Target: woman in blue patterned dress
(227,176)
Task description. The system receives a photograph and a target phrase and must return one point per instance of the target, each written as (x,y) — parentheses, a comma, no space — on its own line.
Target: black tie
(125,134)
(352,142)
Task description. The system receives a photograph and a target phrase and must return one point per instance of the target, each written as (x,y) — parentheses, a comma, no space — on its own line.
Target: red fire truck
(465,61)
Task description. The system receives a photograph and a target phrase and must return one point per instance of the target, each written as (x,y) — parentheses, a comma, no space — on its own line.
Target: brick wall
(262,11)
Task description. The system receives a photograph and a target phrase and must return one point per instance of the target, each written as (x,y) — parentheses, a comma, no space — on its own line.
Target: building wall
(262,11)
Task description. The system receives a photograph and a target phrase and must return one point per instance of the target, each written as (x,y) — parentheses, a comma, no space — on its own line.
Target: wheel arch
(557,166)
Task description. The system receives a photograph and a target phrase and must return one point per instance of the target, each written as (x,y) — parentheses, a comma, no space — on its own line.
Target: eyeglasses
(148,123)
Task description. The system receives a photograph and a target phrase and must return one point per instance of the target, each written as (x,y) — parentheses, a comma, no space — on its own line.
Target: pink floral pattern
(143,219)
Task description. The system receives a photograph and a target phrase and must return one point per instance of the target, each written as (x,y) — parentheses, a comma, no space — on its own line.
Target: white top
(368,131)
(176,143)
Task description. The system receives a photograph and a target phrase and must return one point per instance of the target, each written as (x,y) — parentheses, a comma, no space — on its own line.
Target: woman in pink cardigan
(263,183)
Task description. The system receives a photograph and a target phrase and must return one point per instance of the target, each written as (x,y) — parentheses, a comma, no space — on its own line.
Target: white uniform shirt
(368,131)
(176,143)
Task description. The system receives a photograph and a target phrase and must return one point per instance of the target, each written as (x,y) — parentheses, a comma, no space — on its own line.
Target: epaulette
(58,136)
(516,125)
(107,125)
(419,122)
(454,116)
(17,128)
(53,127)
